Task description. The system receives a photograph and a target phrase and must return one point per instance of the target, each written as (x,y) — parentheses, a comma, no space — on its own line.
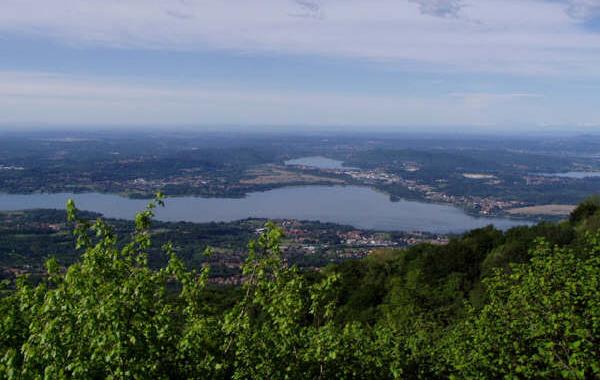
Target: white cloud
(41,98)
(68,99)
(509,36)
(541,38)
(481,99)
(439,8)
(309,9)
(583,9)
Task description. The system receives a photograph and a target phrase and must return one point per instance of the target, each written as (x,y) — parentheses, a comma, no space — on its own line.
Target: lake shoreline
(359,206)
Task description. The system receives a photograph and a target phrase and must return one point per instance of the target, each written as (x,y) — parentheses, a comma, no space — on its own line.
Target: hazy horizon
(448,131)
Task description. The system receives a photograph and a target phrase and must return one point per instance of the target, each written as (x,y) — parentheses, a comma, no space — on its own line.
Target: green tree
(112,316)
(284,327)
(585,209)
(542,319)
(109,316)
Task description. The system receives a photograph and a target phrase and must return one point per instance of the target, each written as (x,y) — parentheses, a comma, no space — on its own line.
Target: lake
(318,162)
(576,175)
(358,206)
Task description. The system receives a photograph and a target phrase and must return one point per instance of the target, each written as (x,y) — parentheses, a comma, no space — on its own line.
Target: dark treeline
(490,304)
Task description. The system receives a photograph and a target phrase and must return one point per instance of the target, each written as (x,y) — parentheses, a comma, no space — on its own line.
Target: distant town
(28,238)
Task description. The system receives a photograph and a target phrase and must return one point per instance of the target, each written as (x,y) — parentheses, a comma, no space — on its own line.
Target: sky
(390,64)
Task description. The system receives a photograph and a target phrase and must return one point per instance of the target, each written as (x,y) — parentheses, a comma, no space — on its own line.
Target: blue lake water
(358,206)
(576,175)
(318,162)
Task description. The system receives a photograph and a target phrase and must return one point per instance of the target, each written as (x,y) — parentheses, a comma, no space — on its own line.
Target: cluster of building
(536,180)
(145,184)
(346,243)
(372,176)
(481,205)
(304,239)
(365,239)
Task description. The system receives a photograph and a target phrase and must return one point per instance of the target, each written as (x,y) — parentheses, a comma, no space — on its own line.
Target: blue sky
(390,64)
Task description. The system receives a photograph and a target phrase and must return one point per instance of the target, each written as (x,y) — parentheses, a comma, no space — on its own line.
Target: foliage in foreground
(111,316)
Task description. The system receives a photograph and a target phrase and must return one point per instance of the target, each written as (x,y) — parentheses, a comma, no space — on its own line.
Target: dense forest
(490,304)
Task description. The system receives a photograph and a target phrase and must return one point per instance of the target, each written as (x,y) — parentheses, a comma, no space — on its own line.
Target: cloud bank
(495,62)
(117,101)
(583,9)
(529,37)
(439,8)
